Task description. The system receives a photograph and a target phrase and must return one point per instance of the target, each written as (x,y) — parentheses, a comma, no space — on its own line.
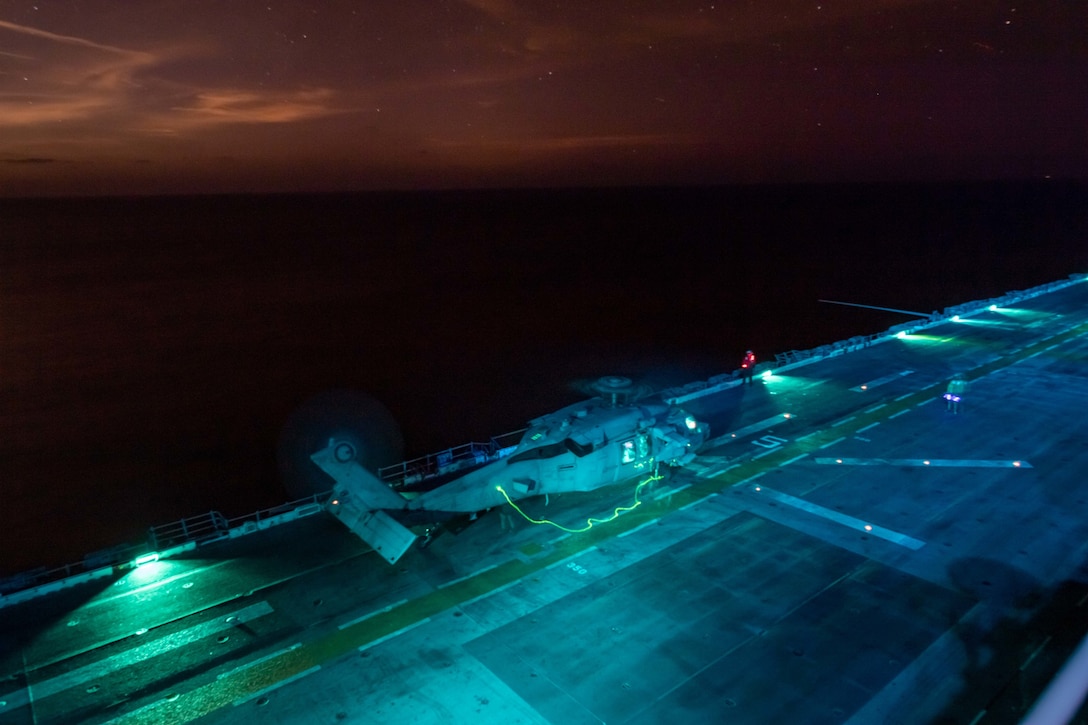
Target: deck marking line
(281,683)
(868,427)
(667,492)
(715,470)
(881,381)
(1035,654)
(696,502)
(391,635)
(375,613)
(136,655)
(875,408)
(753,428)
(637,528)
(902,412)
(904,396)
(844,421)
(156,584)
(767,452)
(924,462)
(487,594)
(831,443)
(849,521)
(259,660)
(458,580)
(572,557)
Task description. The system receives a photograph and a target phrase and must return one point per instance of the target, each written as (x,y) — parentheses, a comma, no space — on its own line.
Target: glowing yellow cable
(590,521)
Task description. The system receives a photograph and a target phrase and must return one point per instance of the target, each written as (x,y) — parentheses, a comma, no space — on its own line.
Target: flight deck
(844,549)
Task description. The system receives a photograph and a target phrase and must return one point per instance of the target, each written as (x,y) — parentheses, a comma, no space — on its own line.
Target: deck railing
(413,472)
(192,531)
(213,525)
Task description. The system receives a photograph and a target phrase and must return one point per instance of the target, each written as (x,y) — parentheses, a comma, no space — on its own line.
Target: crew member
(953,396)
(747,366)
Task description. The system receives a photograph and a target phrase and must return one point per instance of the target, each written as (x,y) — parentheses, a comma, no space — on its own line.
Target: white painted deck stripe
(486,594)
(849,521)
(259,660)
(375,613)
(651,522)
(152,648)
(881,381)
(666,492)
(924,462)
(391,635)
(458,580)
(277,685)
(753,428)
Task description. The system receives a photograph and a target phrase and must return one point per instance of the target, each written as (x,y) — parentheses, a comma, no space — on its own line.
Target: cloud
(19,56)
(64,39)
(70,90)
(65,78)
(246,106)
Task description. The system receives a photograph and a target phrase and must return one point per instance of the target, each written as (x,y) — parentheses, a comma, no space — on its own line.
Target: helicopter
(611,438)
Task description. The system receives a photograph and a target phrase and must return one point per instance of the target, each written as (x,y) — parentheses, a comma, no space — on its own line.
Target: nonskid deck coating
(693,632)
(984,609)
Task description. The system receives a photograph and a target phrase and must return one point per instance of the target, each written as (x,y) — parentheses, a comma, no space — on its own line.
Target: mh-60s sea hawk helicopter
(608,439)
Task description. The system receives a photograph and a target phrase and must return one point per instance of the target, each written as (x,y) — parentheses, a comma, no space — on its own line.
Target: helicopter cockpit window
(550,450)
(636,449)
(578,449)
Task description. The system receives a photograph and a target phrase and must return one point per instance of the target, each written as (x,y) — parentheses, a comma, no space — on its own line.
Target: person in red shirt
(747,367)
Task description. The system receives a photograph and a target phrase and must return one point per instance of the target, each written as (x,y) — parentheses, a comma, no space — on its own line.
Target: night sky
(107,97)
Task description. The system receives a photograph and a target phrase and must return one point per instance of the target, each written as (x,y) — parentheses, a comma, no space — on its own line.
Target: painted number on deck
(770,441)
(576,567)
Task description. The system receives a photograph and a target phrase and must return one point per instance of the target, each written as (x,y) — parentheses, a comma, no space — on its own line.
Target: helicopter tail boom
(360,500)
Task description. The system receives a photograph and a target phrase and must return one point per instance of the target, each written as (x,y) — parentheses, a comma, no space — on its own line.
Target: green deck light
(146,559)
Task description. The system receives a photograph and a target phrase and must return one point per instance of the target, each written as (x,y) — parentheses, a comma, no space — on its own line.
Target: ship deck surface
(855,553)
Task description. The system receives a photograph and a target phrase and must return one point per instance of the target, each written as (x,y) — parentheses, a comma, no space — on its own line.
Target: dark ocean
(151,349)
